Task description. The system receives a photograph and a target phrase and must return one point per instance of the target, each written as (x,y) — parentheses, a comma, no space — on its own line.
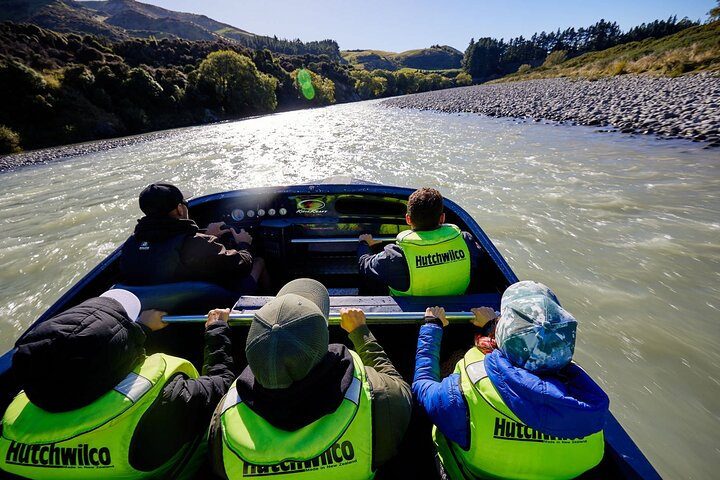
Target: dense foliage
(59,88)
(491,58)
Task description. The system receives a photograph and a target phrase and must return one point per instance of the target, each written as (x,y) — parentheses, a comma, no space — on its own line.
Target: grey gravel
(685,107)
(47,155)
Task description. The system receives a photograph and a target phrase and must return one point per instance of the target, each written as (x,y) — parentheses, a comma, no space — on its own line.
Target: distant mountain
(434,58)
(122,19)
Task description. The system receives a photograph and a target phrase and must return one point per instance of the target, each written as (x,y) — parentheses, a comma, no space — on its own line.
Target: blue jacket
(573,406)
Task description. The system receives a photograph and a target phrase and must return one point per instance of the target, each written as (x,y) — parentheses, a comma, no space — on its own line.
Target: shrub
(524,68)
(555,58)
(9,141)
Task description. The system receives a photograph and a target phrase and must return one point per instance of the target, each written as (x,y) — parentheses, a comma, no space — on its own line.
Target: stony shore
(685,107)
(52,154)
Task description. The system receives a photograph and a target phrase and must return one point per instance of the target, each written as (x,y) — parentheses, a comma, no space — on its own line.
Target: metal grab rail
(372,318)
(338,240)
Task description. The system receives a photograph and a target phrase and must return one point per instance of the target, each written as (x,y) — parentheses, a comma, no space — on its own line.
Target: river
(624,229)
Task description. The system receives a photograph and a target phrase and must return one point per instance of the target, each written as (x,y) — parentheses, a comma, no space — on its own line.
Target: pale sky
(399,25)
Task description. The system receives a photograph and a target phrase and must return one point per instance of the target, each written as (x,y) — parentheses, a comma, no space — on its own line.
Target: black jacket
(166,250)
(74,358)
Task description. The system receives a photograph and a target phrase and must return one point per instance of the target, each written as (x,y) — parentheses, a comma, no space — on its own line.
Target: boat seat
(182,297)
(388,304)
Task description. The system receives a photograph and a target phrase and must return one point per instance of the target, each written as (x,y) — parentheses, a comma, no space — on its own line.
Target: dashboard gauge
(237,214)
(261,213)
(271,212)
(251,213)
(283,211)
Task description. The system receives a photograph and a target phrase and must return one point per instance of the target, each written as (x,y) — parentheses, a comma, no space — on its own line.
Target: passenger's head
(534,331)
(160,199)
(425,209)
(289,335)
(77,356)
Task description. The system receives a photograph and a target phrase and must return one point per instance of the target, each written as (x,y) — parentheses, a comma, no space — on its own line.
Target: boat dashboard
(311,234)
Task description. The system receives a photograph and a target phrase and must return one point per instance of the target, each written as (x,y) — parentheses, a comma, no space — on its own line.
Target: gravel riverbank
(683,107)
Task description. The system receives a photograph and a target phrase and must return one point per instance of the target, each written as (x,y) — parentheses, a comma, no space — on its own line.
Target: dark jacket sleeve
(392,400)
(442,400)
(387,267)
(186,404)
(203,252)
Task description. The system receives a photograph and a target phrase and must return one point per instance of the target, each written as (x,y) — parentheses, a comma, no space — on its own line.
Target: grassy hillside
(692,50)
(433,58)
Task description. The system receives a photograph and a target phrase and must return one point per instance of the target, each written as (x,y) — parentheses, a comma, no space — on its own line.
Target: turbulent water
(624,229)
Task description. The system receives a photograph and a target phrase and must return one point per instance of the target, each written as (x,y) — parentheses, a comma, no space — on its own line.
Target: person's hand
(482,316)
(152,319)
(351,318)
(437,312)
(242,237)
(217,315)
(216,229)
(368,238)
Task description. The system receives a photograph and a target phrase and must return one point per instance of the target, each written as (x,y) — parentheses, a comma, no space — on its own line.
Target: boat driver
(167,247)
(433,258)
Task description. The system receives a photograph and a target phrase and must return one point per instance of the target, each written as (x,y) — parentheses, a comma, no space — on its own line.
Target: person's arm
(392,399)
(442,400)
(387,267)
(186,404)
(203,252)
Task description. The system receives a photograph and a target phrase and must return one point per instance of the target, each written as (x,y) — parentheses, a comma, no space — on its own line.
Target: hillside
(123,19)
(433,58)
(692,50)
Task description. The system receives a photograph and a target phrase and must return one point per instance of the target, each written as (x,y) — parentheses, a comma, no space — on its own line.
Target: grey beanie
(289,335)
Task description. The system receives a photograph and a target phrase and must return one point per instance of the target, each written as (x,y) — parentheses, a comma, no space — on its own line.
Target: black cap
(160,198)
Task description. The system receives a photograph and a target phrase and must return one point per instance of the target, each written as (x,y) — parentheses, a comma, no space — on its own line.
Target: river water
(624,229)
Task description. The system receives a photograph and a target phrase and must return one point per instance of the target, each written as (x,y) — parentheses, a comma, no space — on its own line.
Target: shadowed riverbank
(682,107)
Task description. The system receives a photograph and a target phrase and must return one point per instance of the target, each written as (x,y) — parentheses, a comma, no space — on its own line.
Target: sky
(399,25)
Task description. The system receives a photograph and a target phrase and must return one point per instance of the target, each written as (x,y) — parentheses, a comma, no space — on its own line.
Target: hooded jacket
(86,350)
(568,405)
(164,249)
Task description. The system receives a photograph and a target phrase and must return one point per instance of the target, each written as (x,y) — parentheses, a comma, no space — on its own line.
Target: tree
(715,12)
(482,59)
(237,83)
(324,88)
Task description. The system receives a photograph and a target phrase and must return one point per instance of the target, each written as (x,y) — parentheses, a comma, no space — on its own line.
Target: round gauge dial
(237,214)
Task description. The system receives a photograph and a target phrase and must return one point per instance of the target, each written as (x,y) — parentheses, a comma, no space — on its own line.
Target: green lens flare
(306,86)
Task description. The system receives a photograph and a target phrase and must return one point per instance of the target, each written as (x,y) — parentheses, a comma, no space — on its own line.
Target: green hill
(433,58)
(694,49)
(123,19)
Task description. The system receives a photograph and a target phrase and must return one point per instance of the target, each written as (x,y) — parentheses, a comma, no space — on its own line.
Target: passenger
(94,406)
(432,258)
(167,247)
(523,411)
(305,406)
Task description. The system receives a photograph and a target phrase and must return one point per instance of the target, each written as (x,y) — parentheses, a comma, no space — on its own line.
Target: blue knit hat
(534,331)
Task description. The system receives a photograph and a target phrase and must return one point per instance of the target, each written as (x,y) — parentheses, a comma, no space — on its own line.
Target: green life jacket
(438,260)
(501,446)
(337,445)
(92,441)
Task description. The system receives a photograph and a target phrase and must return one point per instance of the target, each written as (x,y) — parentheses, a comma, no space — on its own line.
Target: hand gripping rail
(373,318)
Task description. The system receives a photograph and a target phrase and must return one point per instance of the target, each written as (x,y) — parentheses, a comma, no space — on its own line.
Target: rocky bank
(682,107)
